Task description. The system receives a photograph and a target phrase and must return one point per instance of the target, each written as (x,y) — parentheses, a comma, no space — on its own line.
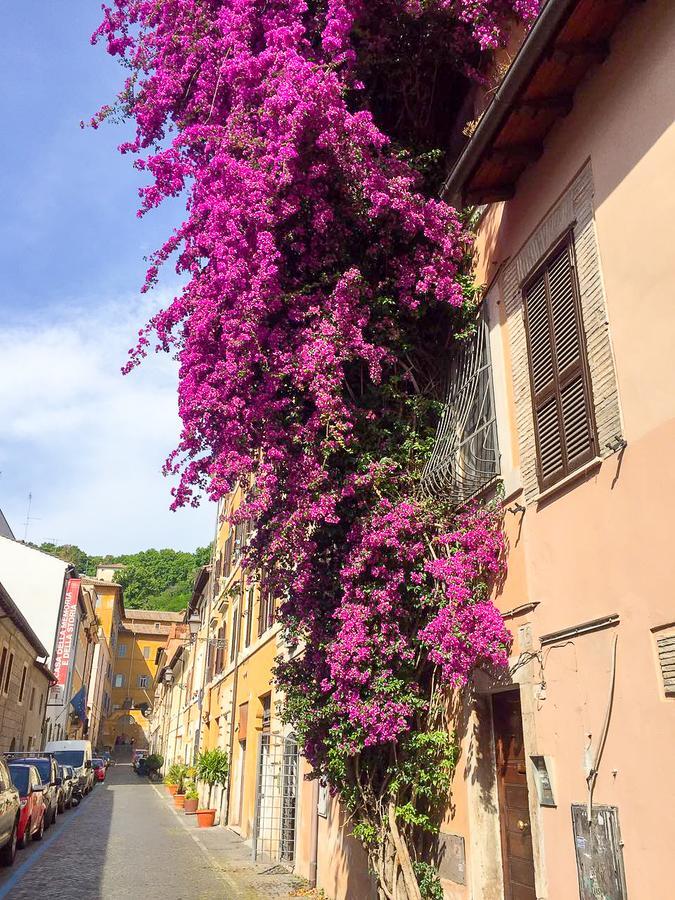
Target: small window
(143,681)
(122,650)
(157,626)
(266,703)
(561,394)
(22,686)
(3,663)
(8,674)
(31,702)
(40,705)
(146,652)
(119,681)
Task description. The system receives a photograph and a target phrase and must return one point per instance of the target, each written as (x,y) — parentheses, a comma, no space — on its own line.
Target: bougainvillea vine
(322,282)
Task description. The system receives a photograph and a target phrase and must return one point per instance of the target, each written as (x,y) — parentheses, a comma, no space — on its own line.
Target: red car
(99,769)
(32,815)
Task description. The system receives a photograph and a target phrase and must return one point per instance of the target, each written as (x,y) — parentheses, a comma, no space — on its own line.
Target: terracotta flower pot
(206,817)
(178,800)
(190,807)
(172,788)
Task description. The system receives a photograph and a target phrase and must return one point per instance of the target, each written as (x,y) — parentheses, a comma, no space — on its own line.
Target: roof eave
(547,25)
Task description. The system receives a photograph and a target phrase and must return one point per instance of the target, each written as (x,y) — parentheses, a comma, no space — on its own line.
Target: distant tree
(85,564)
(151,579)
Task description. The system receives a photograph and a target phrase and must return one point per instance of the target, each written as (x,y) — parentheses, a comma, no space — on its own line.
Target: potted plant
(175,779)
(171,779)
(212,768)
(191,800)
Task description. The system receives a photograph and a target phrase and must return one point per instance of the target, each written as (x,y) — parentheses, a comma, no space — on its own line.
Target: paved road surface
(122,841)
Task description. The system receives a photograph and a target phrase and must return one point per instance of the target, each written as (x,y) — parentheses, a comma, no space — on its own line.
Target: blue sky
(87,442)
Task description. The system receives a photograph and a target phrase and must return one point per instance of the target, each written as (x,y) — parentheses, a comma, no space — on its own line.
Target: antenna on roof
(29,518)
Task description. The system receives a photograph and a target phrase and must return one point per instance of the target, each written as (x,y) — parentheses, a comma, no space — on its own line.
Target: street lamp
(194,623)
(168,676)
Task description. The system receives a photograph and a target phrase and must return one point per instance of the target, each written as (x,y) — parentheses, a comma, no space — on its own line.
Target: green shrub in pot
(213,767)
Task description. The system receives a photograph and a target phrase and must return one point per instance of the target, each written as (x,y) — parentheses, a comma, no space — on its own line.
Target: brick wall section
(574,210)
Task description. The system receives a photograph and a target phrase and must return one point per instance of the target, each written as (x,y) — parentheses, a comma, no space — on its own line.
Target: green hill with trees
(152,579)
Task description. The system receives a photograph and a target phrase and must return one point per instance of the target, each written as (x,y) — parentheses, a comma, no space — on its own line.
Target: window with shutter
(265,609)
(562,404)
(227,563)
(666,648)
(220,653)
(250,606)
(234,635)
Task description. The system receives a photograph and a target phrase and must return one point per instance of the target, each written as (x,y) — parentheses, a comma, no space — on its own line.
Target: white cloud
(87,442)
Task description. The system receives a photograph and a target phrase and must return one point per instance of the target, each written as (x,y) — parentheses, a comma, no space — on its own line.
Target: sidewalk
(226,852)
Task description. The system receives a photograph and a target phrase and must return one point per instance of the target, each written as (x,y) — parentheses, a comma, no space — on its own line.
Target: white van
(78,755)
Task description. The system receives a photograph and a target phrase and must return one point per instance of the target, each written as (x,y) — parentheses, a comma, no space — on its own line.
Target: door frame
(487,876)
(501,790)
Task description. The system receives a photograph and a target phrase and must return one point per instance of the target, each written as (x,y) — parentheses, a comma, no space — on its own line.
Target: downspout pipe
(595,765)
(314,836)
(547,24)
(233,711)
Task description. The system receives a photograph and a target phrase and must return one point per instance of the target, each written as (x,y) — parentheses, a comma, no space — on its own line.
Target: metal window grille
(274,827)
(465,457)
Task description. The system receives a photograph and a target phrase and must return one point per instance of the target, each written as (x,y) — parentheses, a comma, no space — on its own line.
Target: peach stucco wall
(605,545)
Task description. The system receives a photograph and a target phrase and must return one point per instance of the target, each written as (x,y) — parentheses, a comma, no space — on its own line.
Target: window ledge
(568,480)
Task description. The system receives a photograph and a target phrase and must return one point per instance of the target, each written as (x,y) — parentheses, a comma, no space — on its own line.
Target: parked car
(28,783)
(48,770)
(68,782)
(78,755)
(107,758)
(99,768)
(137,756)
(10,811)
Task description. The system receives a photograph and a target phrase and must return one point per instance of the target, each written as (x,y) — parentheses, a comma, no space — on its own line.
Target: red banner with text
(65,639)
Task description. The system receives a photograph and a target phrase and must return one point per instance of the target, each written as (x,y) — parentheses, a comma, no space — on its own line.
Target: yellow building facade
(134,638)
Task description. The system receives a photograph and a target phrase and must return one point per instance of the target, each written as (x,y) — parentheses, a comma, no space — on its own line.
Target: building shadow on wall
(346,860)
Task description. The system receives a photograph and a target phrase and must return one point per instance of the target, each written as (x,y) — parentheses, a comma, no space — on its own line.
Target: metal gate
(276,798)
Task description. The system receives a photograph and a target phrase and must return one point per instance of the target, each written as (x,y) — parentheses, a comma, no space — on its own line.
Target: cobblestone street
(124,840)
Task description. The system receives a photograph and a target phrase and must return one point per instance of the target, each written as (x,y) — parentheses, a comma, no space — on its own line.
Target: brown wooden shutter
(563,408)
(243,720)
(211,661)
(228,553)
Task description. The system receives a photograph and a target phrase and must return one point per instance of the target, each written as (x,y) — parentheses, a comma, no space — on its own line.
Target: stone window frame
(573,212)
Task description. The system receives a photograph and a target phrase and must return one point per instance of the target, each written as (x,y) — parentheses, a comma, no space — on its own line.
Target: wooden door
(514,811)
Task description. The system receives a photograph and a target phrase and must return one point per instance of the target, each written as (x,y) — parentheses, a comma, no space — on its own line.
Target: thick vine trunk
(393,866)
